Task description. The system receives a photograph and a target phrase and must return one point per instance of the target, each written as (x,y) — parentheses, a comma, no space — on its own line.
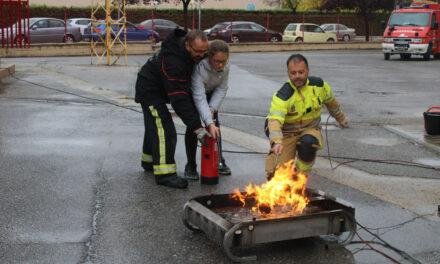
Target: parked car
(133,32)
(43,30)
(81,23)
(342,31)
(307,32)
(243,31)
(162,26)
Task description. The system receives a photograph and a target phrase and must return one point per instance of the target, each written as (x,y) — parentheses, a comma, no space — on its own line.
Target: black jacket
(166,78)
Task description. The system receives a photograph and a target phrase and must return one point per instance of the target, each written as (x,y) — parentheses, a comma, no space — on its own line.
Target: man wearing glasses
(166,78)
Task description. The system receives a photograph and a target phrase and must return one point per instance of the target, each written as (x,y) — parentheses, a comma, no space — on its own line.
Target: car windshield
(291,27)
(409,19)
(222,25)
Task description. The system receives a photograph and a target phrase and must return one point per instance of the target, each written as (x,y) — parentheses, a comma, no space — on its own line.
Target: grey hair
(217,46)
(195,34)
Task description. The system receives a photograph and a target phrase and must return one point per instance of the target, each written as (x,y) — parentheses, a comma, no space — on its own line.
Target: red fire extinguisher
(209,162)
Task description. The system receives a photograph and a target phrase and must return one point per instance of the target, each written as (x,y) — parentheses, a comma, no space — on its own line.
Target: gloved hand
(343,123)
(201,135)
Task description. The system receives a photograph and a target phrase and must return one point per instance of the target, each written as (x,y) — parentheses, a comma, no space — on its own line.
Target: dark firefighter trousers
(160,140)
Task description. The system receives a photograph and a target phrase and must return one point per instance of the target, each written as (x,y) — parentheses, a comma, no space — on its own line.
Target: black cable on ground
(376,250)
(77,95)
(401,252)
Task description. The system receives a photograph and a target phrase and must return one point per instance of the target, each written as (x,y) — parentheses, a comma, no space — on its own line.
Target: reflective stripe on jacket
(291,106)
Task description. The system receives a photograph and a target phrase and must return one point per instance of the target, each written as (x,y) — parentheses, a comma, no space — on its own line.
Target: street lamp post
(200,14)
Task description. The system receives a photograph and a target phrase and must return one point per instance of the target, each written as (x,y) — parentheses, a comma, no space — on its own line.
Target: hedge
(274,19)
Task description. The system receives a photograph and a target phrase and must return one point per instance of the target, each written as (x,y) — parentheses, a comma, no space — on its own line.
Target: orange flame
(286,190)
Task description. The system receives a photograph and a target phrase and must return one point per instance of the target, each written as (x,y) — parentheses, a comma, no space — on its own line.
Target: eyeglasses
(198,52)
(222,62)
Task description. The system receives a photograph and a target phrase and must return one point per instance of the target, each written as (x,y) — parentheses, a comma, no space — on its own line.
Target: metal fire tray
(227,223)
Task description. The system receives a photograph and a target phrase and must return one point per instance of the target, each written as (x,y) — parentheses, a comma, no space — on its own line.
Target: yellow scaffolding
(108,29)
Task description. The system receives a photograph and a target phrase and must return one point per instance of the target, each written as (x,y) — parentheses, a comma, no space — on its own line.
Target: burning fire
(285,191)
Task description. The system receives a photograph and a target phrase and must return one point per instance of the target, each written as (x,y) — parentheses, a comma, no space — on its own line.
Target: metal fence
(14,23)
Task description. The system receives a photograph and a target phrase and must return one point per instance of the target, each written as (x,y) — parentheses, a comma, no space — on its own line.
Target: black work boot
(191,172)
(148,167)
(223,169)
(172,181)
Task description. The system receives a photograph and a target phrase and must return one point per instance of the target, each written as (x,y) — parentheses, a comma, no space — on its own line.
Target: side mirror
(34,27)
(435,26)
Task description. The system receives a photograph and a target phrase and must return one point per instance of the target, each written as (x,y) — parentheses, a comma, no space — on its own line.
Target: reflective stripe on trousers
(164,169)
(147,158)
(160,134)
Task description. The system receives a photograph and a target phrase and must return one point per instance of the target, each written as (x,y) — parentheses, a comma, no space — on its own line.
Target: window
(169,23)
(130,26)
(83,22)
(342,27)
(158,22)
(409,19)
(257,28)
(148,23)
(329,28)
(42,23)
(241,27)
(55,23)
(312,28)
(318,30)
(291,27)
(221,26)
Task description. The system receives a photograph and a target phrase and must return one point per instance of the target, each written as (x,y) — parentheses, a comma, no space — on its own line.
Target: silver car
(43,30)
(81,23)
(343,32)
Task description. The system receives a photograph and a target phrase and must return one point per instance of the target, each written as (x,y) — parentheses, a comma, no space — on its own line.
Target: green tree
(365,8)
(290,4)
(308,5)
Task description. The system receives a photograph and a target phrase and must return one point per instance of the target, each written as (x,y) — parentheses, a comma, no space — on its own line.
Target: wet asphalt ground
(73,190)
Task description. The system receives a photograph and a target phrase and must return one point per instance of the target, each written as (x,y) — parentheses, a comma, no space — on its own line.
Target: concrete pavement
(73,190)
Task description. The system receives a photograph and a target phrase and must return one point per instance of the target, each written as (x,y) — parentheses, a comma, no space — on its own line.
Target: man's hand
(344,122)
(213,130)
(276,149)
(201,135)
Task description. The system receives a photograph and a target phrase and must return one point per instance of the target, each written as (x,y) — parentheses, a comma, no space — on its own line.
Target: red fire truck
(413,30)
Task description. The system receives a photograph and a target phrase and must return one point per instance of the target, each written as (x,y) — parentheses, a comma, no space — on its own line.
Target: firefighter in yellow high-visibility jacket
(293,124)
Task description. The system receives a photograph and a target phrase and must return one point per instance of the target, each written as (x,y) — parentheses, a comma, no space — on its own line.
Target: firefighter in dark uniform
(166,78)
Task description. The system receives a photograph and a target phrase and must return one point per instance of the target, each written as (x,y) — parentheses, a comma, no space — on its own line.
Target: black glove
(201,135)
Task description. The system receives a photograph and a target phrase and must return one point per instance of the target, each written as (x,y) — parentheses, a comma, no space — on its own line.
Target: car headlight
(417,40)
(388,39)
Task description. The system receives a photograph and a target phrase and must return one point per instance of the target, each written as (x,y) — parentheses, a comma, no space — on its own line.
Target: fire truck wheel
(69,39)
(386,56)
(427,55)
(437,56)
